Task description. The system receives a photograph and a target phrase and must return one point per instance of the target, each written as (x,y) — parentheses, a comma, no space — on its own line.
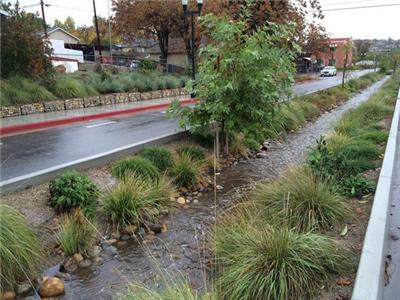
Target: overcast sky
(376,22)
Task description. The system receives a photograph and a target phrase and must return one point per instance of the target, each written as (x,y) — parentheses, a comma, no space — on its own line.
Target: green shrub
(267,263)
(301,201)
(146,65)
(308,109)
(160,157)
(76,233)
(136,200)
(237,145)
(356,186)
(19,90)
(73,190)
(186,172)
(375,136)
(67,87)
(350,159)
(138,165)
(11,95)
(193,151)
(172,82)
(20,250)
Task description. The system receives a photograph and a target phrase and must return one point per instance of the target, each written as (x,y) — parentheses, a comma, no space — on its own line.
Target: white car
(329,71)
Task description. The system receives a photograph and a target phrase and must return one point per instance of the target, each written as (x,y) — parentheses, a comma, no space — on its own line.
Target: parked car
(329,71)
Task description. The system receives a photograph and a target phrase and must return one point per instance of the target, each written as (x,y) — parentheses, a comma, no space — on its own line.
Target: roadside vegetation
(18,90)
(73,190)
(20,251)
(76,234)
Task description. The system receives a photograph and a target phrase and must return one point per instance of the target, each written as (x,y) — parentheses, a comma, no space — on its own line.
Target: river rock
(219,187)
(9,295)
(78,257)
(181,200)
(63,276)
(23,289)
(142,232)
(130,229)
(86,263)
(156,228)
(52,287)
(111,250)
(124,237)
(261,155)
(112,241)
(115,235)
(30,298)
(69,266)
(121,244)
(183,190)
(195,201)
(94,251)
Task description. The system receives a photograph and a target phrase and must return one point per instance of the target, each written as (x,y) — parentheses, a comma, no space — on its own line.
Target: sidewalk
(32,122)
(35,118)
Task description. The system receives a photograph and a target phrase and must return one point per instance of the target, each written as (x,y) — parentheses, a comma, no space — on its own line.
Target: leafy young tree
(242,75)
(24,50)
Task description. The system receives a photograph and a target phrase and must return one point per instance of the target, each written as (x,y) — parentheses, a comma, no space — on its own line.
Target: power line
(359,7)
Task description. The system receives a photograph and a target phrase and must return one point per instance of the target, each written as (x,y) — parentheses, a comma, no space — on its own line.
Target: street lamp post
(192,14)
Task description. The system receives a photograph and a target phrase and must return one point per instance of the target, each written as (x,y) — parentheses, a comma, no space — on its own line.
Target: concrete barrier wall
(90,101)
(370,275)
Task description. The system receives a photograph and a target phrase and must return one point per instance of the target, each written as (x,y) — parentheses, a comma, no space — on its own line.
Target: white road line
(82,160)
(101,124)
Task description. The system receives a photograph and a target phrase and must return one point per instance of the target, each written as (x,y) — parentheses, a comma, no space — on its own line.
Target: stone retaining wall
(91,101)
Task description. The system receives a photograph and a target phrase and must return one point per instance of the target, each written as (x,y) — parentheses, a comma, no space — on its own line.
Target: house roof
(60,29)
(4,13)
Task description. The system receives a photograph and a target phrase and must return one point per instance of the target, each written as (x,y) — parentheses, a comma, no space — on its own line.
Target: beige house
(62,35)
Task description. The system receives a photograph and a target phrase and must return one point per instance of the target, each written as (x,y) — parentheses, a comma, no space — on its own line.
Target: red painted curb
(59,122)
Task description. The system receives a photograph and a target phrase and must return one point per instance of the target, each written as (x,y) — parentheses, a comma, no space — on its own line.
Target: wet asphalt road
(26,153)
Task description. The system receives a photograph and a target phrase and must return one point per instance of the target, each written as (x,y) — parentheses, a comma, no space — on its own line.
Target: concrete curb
(370,275)
(59,122)
(39,177)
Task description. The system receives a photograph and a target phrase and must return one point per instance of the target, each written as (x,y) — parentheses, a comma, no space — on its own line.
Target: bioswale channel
(182,249)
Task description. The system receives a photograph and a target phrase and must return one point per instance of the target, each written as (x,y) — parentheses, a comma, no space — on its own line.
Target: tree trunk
(163,37)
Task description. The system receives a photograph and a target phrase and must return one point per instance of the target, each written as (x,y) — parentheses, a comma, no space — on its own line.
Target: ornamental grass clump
(172,290)
(187,172)
(162,158)
(302,201)
(20,250)
(263,262)
(67,87)
(139,165)
(76,234)
(73,190)
(135,200)
(193,151)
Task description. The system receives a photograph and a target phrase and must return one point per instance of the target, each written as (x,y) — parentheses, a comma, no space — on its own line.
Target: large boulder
(51,287)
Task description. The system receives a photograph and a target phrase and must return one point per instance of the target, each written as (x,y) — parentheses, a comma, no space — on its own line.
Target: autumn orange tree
(148,19)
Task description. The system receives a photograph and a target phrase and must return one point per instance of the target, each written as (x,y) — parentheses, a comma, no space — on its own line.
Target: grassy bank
(20,90)
(284,241)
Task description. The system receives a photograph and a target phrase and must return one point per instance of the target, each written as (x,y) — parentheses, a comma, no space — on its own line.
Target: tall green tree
(243,74)
(23,50)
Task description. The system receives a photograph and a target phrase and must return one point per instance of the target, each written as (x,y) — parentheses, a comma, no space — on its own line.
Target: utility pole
(43,18)
(97,30)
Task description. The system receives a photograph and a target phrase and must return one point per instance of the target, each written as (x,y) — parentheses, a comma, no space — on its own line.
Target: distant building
(60,55)
(335,54)
(61,34)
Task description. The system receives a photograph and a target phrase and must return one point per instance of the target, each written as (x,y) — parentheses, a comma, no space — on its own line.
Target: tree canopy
(23,49)
(242,74)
